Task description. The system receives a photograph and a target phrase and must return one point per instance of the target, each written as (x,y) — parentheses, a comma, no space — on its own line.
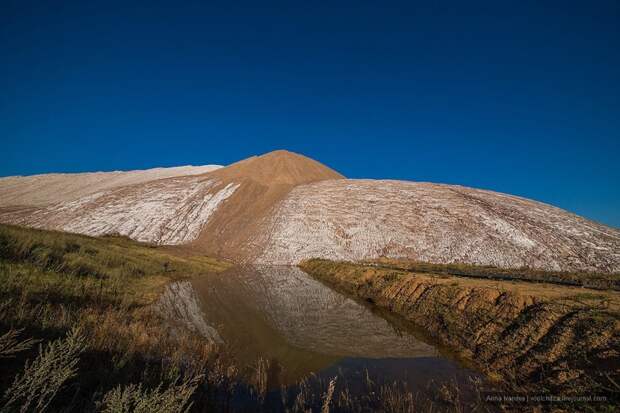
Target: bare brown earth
(237,227)
(555,337)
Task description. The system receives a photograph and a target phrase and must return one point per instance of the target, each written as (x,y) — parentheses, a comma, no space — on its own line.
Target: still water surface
(302,326)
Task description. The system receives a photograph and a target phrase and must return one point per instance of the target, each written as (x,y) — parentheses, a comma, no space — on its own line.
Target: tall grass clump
(10,346)
(134,398)
(35,388)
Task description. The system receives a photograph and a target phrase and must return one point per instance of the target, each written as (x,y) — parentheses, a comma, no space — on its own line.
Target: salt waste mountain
(282,208)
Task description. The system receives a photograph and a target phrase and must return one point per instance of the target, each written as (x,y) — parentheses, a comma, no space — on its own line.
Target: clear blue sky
(515,96)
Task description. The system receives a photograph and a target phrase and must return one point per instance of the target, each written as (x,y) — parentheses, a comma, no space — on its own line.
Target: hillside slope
(167,211)
(282,208)
(193,209)
(361,219)
(46,189)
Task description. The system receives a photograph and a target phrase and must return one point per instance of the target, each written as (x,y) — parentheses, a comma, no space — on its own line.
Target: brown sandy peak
(279,167)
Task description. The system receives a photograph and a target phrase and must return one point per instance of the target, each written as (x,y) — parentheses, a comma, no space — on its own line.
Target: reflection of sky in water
(299,324)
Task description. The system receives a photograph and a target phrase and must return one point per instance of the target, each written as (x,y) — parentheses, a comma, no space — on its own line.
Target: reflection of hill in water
(283,315)
(302,311)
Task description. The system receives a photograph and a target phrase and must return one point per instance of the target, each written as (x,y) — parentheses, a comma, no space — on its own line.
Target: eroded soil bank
(528,335)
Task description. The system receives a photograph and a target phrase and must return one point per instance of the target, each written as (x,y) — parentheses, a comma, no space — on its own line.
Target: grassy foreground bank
(531,336)
(77,332)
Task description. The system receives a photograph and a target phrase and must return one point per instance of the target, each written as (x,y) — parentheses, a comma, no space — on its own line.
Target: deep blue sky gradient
(515,96)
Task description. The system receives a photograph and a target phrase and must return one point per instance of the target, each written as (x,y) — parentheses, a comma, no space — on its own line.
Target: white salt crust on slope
(350,220)
(46,189)
(168,211)
(362,219)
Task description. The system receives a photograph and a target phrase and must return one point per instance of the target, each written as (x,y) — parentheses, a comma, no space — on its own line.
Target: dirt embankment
(548,336)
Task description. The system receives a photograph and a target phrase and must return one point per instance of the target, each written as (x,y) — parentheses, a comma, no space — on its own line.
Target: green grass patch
(601,281)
